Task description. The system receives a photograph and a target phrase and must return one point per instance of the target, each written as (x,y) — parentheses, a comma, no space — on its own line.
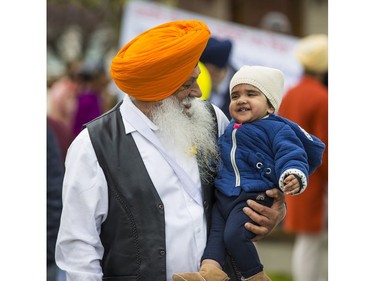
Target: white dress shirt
(85,201)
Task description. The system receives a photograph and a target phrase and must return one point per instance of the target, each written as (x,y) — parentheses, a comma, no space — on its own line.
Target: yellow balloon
(204,81)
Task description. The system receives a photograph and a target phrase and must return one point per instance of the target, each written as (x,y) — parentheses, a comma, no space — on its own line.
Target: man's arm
(267,218)
(85,203)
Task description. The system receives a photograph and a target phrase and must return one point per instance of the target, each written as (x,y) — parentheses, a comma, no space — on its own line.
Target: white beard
(188,131)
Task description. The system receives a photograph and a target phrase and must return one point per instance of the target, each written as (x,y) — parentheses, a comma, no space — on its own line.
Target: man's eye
(187,86)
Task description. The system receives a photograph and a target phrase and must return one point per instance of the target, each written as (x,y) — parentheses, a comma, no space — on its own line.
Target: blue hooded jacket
(258,156)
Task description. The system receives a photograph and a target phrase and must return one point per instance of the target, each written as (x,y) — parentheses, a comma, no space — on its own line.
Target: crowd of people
(137,188)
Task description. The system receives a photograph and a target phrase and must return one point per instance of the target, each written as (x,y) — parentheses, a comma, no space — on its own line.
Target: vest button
(162,252)
(160,206)
(205,203)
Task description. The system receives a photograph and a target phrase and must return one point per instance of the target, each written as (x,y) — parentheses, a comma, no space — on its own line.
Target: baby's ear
(270,110)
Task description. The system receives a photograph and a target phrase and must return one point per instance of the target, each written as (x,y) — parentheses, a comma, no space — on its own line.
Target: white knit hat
(270,81)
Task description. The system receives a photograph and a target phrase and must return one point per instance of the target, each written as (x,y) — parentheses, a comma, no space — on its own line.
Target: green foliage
(275,276)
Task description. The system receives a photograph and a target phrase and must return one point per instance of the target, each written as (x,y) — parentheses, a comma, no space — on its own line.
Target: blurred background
(80,30)
(84,35)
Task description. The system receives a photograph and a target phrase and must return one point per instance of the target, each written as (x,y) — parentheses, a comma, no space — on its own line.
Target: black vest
(133,234)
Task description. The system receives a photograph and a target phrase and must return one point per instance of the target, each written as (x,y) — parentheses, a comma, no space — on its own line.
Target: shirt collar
(141,118)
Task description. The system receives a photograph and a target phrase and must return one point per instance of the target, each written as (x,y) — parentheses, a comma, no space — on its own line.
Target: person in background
(138,186)
(91,97)
(307,105)
(259,150)
(216,58)
(55,174)
(276,21)
(61,109)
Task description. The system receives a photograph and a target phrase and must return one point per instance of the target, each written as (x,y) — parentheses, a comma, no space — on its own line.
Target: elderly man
(138,187)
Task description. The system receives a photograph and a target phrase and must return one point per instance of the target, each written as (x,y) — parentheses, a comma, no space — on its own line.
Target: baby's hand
(291,185)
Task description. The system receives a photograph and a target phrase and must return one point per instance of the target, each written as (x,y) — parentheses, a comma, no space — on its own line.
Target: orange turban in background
(153,65)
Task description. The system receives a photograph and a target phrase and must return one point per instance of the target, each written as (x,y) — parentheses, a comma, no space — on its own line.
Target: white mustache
(187,101)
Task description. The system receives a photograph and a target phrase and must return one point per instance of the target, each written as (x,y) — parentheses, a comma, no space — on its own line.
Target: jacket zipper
(233,159)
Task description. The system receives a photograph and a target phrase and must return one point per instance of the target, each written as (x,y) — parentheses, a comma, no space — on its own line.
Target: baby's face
(247,104)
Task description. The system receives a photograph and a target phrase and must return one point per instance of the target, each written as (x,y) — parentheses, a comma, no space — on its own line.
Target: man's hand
(267,218)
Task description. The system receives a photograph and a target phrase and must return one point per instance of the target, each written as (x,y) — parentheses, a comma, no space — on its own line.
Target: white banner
(251,46)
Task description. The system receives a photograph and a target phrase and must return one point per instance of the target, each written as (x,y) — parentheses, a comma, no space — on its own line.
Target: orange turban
(153,65)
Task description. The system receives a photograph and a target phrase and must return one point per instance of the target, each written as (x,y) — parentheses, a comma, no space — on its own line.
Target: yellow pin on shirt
(193,150)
